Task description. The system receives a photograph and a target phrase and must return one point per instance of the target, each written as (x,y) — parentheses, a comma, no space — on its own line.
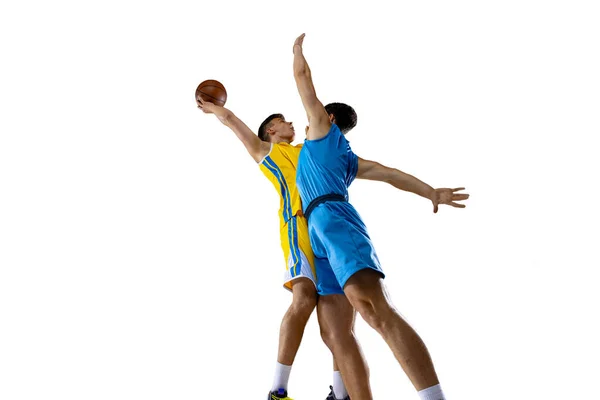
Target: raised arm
(257,148)
(318,120)
(377,172)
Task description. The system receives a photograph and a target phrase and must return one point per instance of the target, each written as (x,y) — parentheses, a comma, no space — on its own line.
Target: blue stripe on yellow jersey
(279,166)
(294,249)
(283,188)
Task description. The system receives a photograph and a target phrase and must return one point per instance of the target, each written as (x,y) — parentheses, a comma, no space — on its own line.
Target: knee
(327,336)
(336,336)
(303,305)
(373,314)
(367,295)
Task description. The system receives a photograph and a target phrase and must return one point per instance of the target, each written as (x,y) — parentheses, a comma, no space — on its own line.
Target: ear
(331,118)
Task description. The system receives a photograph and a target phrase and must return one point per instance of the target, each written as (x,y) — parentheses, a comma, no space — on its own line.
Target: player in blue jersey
(345,259)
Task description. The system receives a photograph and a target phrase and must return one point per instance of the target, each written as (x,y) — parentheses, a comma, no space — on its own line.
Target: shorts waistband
(322,199)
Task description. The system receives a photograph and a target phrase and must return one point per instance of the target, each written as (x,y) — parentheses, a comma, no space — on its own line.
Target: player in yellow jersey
(277,159)
(279,167)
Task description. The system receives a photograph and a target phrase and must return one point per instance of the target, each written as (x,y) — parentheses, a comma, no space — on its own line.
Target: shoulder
(333,135)
(267,148)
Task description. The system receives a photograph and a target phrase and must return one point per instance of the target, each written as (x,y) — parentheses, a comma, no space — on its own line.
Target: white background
(139,244)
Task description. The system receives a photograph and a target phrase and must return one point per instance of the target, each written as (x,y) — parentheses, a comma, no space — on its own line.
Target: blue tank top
(325,166)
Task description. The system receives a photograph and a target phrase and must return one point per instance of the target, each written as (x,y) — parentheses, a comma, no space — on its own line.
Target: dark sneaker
(331,395)
(280,394)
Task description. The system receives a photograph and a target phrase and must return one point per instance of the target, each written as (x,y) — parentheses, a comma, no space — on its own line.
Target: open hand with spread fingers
(449,197)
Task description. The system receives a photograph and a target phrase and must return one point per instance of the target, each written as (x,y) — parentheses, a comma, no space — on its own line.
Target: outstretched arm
(256,147)
(377,172)
(318,120)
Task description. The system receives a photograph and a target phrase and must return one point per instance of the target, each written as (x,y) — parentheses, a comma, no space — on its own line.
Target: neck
(280,140)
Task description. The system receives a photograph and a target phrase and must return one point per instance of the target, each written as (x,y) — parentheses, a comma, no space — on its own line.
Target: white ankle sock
(339,390)
(282,376)
(432,393)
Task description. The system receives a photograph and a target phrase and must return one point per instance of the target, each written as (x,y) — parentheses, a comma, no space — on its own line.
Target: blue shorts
(341,246)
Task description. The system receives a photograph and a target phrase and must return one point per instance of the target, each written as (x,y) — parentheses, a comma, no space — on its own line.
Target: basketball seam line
(216,98)
(218,87)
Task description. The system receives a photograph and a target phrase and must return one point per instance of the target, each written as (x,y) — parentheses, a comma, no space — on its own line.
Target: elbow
(390,175)
(390,179)
(393,177)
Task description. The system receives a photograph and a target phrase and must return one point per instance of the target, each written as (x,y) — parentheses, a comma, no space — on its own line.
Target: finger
(460,196)
(457,189)
(453,204)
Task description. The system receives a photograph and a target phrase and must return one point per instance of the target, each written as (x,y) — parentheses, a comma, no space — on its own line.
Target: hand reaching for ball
(206,106)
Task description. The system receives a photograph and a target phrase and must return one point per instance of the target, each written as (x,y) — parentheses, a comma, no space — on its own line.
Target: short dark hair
(266,124)
(345,116)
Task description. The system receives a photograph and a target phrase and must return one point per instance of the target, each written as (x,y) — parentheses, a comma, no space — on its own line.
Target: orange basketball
(213,91)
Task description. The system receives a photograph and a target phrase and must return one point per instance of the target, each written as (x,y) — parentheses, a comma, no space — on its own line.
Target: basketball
(213,91)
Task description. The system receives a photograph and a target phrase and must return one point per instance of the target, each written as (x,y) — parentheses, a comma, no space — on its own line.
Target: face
(282,130)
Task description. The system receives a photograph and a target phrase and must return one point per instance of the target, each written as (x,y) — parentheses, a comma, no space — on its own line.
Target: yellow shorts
(298,255)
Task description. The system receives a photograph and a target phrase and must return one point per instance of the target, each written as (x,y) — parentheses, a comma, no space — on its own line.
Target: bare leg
(366,292)
(336,320)
(295,319)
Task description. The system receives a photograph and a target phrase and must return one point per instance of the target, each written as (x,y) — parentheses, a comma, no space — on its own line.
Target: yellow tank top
(279,166)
